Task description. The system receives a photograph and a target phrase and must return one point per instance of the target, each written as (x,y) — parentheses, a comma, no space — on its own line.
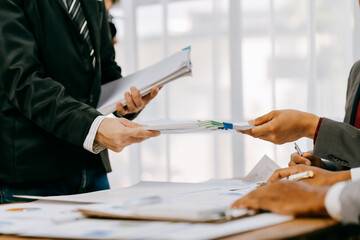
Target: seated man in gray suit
(312,196)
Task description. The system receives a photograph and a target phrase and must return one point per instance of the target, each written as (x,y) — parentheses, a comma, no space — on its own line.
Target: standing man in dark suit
(54,56)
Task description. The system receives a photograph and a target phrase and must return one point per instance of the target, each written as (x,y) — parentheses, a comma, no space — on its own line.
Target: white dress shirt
(89,143)
(332,199)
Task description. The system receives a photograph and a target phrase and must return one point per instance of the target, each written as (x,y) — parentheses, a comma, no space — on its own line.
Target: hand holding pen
(305,158)
(280,174)
(300,172)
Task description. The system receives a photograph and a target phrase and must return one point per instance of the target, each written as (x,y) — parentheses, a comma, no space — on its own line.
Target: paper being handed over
(176,127)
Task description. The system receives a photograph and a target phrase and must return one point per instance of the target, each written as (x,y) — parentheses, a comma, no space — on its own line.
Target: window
(249,57)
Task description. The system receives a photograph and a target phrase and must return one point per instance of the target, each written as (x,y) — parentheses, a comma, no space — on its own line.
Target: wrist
(100,131)
(319,196)
(344,176)
(312,124)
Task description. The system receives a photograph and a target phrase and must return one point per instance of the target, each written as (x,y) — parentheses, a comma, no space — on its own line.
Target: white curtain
(249,58)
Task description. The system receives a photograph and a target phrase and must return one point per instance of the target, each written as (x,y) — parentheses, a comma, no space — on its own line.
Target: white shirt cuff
(355,174)
(89,143)
(332,201)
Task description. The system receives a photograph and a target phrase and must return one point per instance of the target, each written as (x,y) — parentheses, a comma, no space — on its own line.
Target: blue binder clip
(228,126)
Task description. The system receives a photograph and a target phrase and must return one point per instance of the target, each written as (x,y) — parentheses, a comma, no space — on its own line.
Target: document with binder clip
(173,127)
(172,68)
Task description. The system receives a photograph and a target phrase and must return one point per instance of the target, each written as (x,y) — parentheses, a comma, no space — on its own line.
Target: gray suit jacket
(350,202)
(339,142)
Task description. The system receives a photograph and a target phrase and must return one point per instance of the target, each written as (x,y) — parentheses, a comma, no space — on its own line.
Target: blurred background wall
(249,58)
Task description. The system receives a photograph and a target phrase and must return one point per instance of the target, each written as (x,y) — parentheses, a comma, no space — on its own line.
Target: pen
(294,177)
(299,176)
(298,149)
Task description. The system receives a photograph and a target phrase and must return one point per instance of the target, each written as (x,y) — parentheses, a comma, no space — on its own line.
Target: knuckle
(272,128)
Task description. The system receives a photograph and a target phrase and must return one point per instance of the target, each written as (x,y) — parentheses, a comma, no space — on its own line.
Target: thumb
(263,119)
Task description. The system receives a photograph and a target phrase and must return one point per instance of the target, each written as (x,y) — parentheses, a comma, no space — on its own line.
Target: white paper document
(174,67)
(262,170)
(176,127)
(18,218)
(122,229)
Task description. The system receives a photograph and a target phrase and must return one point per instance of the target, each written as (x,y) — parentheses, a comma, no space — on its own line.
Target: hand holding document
(174,67)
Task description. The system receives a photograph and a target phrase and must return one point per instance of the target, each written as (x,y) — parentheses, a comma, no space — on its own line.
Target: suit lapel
(92,16)
(352,94)
(63,7)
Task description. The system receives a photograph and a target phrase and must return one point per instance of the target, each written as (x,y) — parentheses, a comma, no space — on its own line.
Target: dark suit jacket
(339,142)
(48,89)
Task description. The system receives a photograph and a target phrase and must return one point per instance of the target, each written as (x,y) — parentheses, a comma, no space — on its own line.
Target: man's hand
(285,197)
(134,102)
(115,134)
(283,126)
(306,159)
(321,177)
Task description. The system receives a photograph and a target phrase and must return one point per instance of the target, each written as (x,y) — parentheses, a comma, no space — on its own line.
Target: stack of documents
(174,67)
(198,126)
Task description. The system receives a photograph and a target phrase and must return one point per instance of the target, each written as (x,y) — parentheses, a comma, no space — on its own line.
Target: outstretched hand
(283,126)
(117,133)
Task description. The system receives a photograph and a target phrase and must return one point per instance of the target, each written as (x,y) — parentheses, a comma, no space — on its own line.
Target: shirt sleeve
(90,144)
(332,201)
(355,174)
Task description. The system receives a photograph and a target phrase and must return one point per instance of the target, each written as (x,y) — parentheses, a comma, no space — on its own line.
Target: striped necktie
(77,15)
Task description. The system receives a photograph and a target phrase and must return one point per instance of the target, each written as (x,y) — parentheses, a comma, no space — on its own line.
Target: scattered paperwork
(57,218)
(198,202)
(122,229)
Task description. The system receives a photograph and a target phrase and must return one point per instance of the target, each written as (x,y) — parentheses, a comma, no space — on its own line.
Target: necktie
(357,117)
(77,15)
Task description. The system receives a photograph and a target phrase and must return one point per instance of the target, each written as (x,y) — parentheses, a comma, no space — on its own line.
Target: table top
(294,228)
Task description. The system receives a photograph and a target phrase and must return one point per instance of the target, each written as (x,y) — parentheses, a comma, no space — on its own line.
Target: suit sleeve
(39,98)
(350,203)
(338,142)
